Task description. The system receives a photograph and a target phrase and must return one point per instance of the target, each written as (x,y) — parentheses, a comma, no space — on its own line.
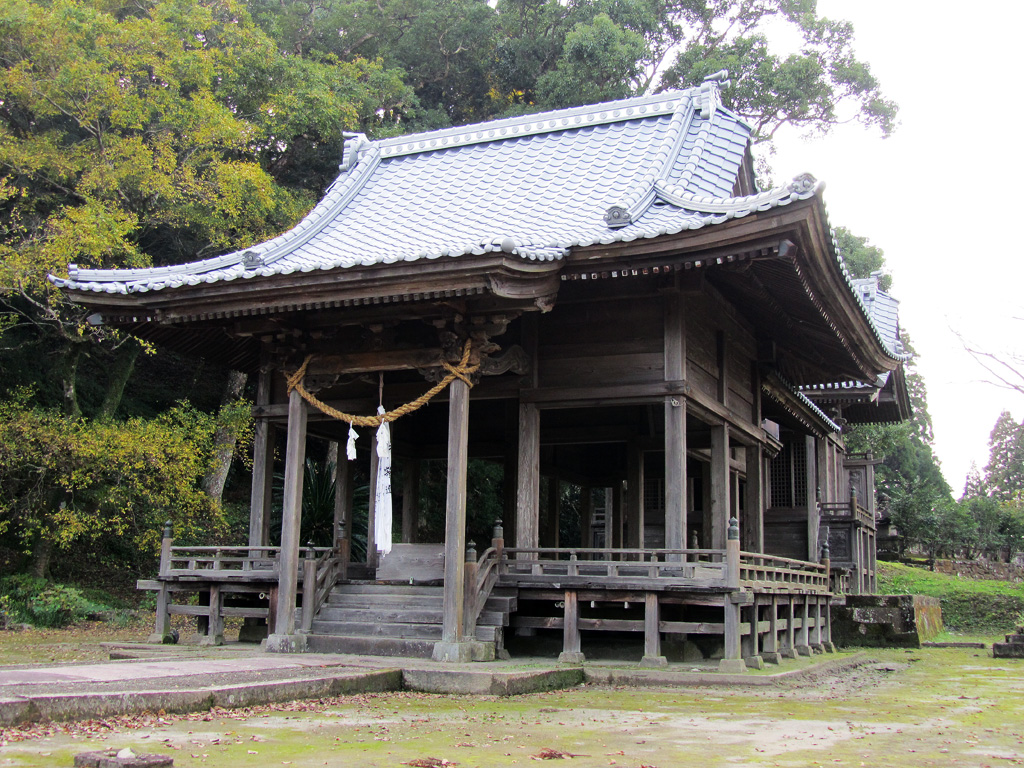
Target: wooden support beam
(371,362)
(410,500)
(262,467)
(284,638)
(652,633)
(571,647)
(720,486)
(754,503)
(635,496)
(528,477)
(813,518)
(371,513)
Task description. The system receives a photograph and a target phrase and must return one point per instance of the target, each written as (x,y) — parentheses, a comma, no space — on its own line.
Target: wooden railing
(701,567)
(320,574)
(846,509)
(767,572)
(480,577)
(207,562)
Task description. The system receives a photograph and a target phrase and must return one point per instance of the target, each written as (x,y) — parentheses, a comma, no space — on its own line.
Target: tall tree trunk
(67,369)
(124,364)
(41,553)
(224,441)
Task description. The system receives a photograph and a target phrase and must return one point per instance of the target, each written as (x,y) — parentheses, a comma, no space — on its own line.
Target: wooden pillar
(753,525)
(816,634)
(371,512)
(284,639)
(732,660)
(789,641)
(803,643)
(675,425)
(652,632)
(770,650)
(528,478)
(552,514)
(824,479)
(812,501)
(752,653)
(343,499)
(262,467)
(634,518)
(453,645)
(410,500)
(586,516)
(571,646)
(510,471)
(720,486)
(614,537)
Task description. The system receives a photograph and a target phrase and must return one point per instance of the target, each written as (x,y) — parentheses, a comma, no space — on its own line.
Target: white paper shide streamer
(350,447)
(382,507)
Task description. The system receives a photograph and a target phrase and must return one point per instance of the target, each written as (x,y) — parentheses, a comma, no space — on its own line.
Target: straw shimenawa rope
(460,371)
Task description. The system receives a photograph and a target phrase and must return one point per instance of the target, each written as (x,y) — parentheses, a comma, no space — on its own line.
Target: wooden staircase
(379,619)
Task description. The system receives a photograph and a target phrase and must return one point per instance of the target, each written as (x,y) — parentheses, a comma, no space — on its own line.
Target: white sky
(938,196)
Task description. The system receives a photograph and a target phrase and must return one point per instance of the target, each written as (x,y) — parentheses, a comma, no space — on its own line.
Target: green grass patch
(970,606)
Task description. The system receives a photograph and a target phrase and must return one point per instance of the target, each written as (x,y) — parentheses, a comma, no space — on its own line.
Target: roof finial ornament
(710,93)
(352,150)
(252,260)
(721,77)
(617,217)
(802,184)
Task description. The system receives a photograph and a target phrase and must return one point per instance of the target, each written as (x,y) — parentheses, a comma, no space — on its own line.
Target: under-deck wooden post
(732,660)
(789,639)
(284,639)
(571,645)
(453,645)
(262,466)
(817,635)
(803,643)
(720,505)
(528,478)
(162,630)
(410,500)
(652,632)
(770,651)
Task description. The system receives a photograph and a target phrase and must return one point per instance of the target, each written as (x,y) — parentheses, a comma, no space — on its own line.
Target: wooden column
(586,516)
(614,519)
(824,480)
(789,640)
(753,525)
(453,645)
(675,425)
(571,646)
(510,471)
(812,501)
(720,486)
(284,639)
(803,643)
(770,650)
(552,513)
(652,633)
(528,477)
(262,467)
(371,512)
(343,512)
(634,517)
(410,500)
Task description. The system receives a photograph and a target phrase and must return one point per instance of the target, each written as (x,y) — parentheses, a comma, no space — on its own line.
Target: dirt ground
(936,707)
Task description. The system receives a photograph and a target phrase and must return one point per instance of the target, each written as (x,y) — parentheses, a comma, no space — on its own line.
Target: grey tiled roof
(533,186)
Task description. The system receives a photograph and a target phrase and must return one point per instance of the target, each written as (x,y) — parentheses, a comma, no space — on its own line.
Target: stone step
(1015,638)
(1008,650)
(380,588)
(430,632)
(389,646)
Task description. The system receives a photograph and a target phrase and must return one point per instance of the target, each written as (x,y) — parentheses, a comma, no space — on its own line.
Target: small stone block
(1008,650)
(108,759)
(788,653)
(829,647)
(653,661)
(771,657)
(286,643)
(754,662)
(453,652)
(818,648)
(804,650)
(732,666)
(571,657)
(208,640)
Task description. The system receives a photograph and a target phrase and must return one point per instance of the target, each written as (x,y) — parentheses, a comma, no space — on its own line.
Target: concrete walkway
(180,681)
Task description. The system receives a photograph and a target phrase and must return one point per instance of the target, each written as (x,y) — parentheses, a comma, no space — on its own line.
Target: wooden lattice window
(788,476)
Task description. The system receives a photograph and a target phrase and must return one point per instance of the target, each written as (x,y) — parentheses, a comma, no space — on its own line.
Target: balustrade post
(573,568)
(162,628)
(732,554)
(344,550)
(469,593)
(826,560)
(498,540)
(308,587)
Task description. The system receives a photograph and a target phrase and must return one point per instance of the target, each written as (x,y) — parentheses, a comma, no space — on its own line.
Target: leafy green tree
(1004,473)
(862,258)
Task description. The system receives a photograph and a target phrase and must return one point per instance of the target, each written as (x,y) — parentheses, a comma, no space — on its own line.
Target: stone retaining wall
(886,621)
(980,569)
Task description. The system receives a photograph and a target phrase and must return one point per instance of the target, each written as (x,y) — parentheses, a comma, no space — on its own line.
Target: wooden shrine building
(607,301)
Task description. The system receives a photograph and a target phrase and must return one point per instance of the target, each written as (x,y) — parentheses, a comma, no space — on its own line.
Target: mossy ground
(922,708)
